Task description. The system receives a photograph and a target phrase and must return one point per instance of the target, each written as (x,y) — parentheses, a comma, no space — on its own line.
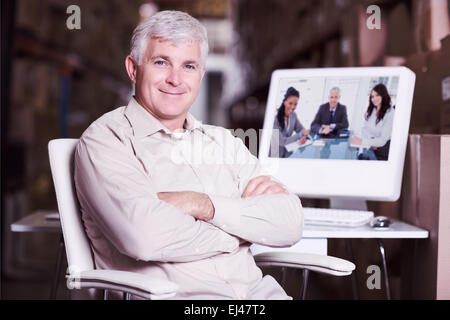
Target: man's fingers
(195,204)
(262,185)
(275,189)
(251,186)
(163,195)
(267,187)
(260,188)
(271,187)
(179,199)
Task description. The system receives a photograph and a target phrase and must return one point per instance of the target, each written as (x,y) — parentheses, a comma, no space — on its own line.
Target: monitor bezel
(329,178)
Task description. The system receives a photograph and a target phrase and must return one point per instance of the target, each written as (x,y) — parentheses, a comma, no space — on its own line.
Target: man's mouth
(173,93)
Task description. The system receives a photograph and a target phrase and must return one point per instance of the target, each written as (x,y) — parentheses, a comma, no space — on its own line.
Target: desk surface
(397,230)
(36,222)
(334,148)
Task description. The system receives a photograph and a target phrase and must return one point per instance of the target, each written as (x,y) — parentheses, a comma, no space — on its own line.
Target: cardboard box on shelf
(445,85)
(430,112)
(425,203)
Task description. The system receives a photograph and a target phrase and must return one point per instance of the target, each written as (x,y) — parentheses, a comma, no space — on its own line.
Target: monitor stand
(346,203)
(350,204)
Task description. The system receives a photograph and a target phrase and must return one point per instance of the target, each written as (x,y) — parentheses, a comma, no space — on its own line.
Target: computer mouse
(380,222)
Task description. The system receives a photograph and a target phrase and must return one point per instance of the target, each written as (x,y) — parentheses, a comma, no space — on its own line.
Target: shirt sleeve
(316,125)
(284,140)
(298,126)
(115,191)
(271,220)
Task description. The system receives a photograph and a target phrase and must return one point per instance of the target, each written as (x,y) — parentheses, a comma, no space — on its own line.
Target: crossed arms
(200,206)
(146,224)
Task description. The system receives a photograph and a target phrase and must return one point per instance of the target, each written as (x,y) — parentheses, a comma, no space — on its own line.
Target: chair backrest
(79,255)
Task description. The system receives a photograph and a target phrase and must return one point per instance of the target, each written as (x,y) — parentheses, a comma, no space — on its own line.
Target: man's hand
(195,204)
(262,185)
(302,140)
(325,129)
(355,140)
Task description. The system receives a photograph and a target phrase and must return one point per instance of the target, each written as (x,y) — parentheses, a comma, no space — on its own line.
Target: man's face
(168,80)
(333,99)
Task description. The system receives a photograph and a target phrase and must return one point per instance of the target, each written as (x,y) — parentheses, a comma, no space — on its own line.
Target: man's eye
(190,67)
(160,63)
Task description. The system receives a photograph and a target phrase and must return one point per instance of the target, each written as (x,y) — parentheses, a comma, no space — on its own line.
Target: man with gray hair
(331,116)
(188,222)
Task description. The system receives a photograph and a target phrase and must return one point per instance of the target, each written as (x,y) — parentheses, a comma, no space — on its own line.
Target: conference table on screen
(327,148)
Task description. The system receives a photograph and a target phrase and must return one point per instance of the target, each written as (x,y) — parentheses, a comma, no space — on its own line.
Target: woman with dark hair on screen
(377,129)
(285,124)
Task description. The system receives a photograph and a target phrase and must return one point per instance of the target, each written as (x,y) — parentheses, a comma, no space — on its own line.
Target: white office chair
(81,272)
(306,262)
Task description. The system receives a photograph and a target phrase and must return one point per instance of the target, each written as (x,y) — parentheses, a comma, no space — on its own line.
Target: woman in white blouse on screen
(377,129)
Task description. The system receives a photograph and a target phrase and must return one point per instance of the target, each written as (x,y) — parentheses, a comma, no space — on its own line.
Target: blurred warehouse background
(56,81)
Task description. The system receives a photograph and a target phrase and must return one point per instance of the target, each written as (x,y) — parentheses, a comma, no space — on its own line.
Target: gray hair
(336,89)
(174,26)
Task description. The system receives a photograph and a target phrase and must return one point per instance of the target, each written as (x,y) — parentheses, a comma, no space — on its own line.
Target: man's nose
(174,77)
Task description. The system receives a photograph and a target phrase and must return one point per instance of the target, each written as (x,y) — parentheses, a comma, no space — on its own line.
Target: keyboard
(336,217)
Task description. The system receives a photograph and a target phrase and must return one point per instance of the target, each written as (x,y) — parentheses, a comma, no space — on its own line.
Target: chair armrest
(131,282)
(314,262)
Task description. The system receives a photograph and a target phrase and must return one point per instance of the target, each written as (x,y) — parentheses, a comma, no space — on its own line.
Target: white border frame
(357,179)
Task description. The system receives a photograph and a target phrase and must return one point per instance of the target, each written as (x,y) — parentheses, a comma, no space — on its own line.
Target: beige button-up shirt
(127,156)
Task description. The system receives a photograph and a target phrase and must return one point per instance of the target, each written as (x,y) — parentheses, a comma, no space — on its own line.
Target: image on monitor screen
(346,117)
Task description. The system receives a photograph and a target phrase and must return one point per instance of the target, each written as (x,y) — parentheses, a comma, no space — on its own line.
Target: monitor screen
(338,131)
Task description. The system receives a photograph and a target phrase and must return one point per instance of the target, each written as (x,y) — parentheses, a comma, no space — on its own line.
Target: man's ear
(131,67)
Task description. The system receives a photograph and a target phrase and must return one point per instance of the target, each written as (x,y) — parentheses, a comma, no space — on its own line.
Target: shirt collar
(191,123)
(335,108)
(145,124)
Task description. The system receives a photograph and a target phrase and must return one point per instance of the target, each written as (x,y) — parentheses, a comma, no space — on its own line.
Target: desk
(397,230)
(333,148)
(314,240)
(37,222)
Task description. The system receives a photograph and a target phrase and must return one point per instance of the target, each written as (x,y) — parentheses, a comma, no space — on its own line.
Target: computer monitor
(350,152)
